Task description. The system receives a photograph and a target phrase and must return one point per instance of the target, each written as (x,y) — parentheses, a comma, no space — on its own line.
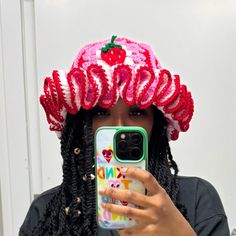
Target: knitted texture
(104,71)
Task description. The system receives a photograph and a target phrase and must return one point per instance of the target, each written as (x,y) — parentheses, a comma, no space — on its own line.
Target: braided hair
(72,210)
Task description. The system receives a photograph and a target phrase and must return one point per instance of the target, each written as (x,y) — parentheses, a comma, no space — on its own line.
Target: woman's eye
(137,113)
(100,112)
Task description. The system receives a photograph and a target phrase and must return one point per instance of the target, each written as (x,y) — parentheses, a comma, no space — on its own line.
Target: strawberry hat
(104,71)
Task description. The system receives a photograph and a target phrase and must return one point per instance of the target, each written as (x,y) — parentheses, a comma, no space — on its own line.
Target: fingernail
(124,170)
(103,204)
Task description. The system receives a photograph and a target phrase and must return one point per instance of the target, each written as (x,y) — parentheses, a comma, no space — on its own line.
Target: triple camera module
(129,145)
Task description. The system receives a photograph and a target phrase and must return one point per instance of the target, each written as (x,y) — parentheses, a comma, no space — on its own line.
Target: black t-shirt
(204,208)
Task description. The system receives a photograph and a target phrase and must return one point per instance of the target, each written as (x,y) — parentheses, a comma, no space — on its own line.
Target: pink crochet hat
(104,71)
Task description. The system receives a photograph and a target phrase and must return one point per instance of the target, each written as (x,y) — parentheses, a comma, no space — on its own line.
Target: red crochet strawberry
(113,53)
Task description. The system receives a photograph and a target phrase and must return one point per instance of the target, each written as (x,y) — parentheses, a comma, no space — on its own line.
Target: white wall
(193,38)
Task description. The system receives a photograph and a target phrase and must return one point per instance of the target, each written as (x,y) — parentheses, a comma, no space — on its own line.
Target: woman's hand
(156,215)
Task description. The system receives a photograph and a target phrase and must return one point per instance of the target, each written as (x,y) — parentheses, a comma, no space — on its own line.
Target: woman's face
(123,115)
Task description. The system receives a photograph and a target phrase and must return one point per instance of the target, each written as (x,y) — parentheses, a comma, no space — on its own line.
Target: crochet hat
(104,71)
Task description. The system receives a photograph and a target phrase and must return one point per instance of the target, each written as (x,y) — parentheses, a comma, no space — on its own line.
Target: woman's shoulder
(200,193)
(42,199)
(203,203)
(47,194)
(37,210)
(199,189)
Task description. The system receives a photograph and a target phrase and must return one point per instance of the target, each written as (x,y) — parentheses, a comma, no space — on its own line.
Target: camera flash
(122,136)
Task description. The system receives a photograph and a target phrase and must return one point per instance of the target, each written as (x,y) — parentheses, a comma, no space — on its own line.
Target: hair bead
(67,209)
(78,200)
(76,151)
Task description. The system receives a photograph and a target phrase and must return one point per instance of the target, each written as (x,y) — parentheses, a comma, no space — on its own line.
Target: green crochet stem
(111,45)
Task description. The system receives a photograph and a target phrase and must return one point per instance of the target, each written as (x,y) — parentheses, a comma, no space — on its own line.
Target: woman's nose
(119,121)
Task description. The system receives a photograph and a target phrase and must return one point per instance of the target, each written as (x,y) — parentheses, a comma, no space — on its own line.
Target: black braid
(78,133)
(89,169)
(55,220)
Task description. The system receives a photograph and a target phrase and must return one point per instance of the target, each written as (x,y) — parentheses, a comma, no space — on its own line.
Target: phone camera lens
(123,146)
(136,153)
(136,138)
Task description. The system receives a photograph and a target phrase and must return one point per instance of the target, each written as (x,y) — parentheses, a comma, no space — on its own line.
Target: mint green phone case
(108,174)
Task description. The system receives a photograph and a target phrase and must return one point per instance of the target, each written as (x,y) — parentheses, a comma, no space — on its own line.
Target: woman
(121,83)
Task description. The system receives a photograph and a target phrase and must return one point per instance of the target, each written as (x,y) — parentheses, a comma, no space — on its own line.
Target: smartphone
(117,147)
